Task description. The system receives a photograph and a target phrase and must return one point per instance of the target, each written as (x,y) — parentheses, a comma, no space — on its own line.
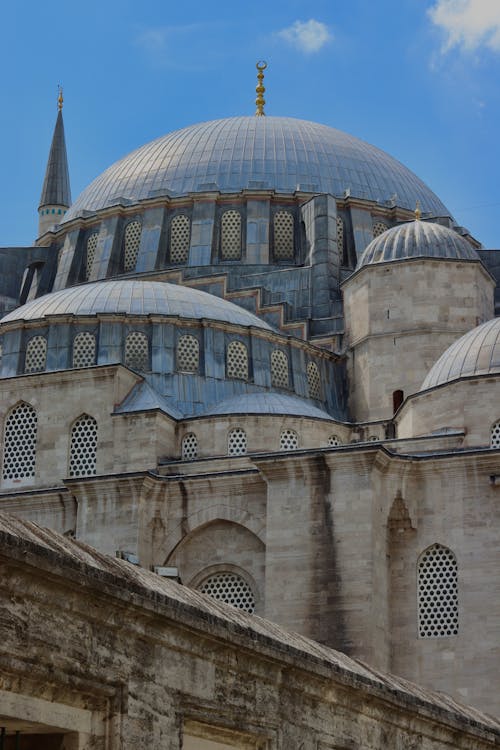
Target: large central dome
(276,153)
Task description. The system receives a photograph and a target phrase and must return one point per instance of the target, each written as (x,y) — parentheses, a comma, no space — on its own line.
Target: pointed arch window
(237,442)
(83,448)
(19,450)
(84,348)
(137,351)
(495,435)
(36,355)
(289,440)
(313,381)
(188,353)
(90,254)
(230,235)
(189,447)
(279,369)
(237,361)
(131,242)
(437,579)
(283,235)
(230,588)
(180,235)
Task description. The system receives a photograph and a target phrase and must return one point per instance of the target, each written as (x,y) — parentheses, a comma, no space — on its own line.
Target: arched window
(36,354)
(131,242)
(90,254)
(137,351)
(84,350)
(289,440)
(230,588)
(180,231)
(495,435)
(340,235)
(279,369)
(437,573)
(283,235)
(189,448)
(237,361)
(334,441)
(83,448)
(313,381)
(188,353)
(397,399)
(230,235)
(379,228)
(237,442)
(19,449)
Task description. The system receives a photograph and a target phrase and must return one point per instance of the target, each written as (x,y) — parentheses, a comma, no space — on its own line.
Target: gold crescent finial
(60,99)
(259,89)
(418,212)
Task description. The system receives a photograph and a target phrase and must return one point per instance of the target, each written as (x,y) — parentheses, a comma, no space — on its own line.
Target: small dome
(267,403)
(476,353)
(135,298)
(417,239)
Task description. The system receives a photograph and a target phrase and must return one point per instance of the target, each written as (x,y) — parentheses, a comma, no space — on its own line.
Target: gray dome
(476,353)
(267,403)
(135,298)
(417,239)
(278,153)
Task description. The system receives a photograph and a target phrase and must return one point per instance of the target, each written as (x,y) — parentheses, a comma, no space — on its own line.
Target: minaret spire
(56,193)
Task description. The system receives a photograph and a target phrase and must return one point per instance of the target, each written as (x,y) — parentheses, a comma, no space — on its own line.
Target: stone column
(257,239)
(202,231)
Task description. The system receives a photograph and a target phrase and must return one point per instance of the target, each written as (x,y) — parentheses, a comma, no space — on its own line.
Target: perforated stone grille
(237,361)
(279,369)
(313,380)
(289,440)
(36,354)
(137,351)
(333,441)
(495,435)
(188,353)
(189,448)
(84,349)
(91,248)
(19,451)
(237,442)
(131,245)
(283,235)
(83,450)
(437,593)
(379,228)
(340,233)
(180,227)
(230,235)
(231,589)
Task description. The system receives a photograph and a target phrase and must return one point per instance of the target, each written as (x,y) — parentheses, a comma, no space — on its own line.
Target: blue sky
(417,78)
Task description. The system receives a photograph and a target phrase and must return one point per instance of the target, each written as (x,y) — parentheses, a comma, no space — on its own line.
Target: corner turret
(56,193)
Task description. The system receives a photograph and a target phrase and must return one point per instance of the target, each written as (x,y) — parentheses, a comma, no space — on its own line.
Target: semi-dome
(476,353)
(276,153)
(267,403)
(135,298)
(417,239)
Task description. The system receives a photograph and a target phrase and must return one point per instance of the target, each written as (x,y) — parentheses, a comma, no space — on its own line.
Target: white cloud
(307,36)
(468,24)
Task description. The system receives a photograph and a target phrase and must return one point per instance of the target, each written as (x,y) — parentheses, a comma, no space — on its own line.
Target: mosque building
(259,357)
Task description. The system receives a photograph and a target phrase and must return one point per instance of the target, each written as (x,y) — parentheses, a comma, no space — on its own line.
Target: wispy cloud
(468,24)
(307,36)
(167,46)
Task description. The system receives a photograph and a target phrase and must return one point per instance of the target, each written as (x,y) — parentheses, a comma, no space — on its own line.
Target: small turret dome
(417,239)
(476,353)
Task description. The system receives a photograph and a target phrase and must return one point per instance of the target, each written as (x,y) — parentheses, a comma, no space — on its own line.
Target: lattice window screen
(180,231)
(333,441)
(188,353)
(83,450)
(189,449)
(340,233)
(379,228)
(84,347)
(283,235)
(279,369)
(437,593)
(289,440)
(230,235)
(36,354)
(313,380)
(132,241)
(90,255)
(137,351)
(19,451)
(237,442)
(495,435)
(231,589)
(237,361)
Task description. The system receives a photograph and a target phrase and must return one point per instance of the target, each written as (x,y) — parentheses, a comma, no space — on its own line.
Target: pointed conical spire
(56,193)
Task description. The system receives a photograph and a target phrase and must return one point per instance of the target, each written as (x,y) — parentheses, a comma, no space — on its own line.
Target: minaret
(56,194)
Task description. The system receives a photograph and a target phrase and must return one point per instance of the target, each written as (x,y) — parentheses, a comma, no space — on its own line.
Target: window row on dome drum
(237,443)
(20,437)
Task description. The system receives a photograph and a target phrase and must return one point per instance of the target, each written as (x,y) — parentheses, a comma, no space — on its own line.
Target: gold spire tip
(418,212)
(259,89)
(60,99)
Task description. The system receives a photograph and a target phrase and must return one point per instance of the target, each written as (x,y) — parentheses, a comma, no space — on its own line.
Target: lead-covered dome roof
(476,353)
(276,153)
(417,239)
(135,298)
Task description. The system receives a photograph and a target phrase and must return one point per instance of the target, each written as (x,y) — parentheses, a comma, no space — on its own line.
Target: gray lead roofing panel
(267,403)
(56,190)
(280,153)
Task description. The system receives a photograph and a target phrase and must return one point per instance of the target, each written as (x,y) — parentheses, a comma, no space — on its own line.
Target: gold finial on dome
(60,99)
(418,212)
(259,89)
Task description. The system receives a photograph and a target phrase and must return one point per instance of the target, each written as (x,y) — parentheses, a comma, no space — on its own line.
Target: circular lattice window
(19,451)
(289,440)
(437,593)
(379,228)
(313,380)
(283,235)
(189,446)
(36,354)
(279,369)
(237,442)
(230,235)
(237,361)
(188,354)
(137,351)
(495,435)
(179,238)
(91,248)
(84,350)
(333,441)
(231,589)
(82,458)
(131,241)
